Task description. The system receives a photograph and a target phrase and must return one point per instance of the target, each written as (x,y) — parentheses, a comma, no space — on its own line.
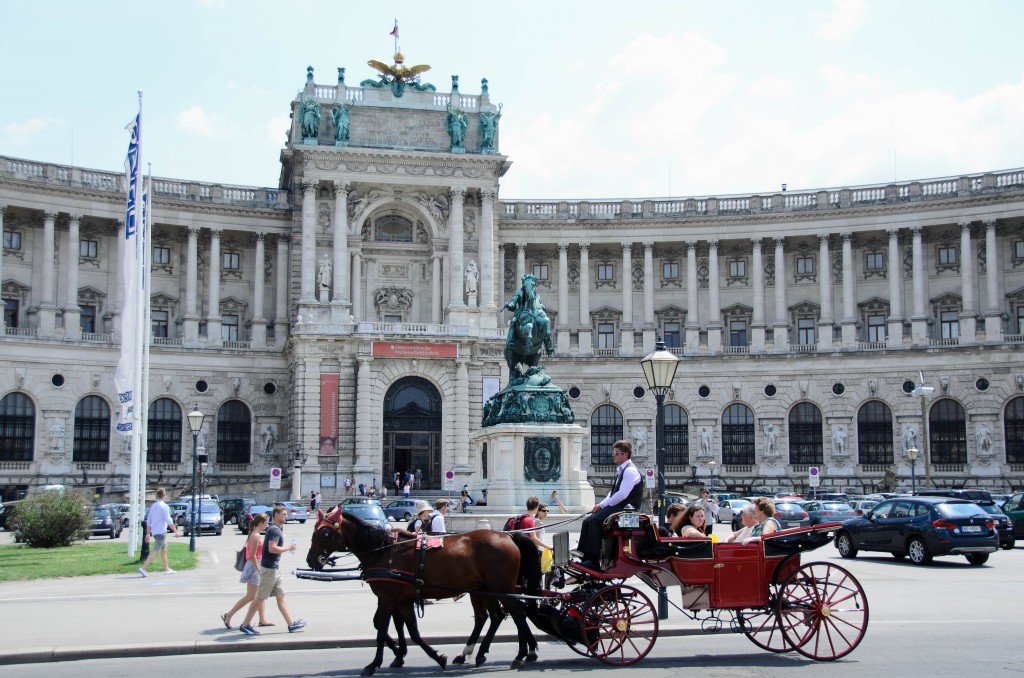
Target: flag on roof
(394,31)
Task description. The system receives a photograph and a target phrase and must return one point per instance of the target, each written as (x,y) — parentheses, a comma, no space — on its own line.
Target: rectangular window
(11,312)
(876,328)
(670,270)
(229,328)
(392,318)
(874,261)
(540,271)
(805,331)
(1018,249)
(805,265)
(12,240)
(159,321)
(947,256)
(162,255)
(1020,319)
(672,333)
(87,319)
(737,332)
(737,268)
(949,323)
(230,260)
(88,249)
(605,335)
(606,271)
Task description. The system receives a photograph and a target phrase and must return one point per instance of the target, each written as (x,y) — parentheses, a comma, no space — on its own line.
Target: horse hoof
(461,659)
(398,663)
(532,657)
(516,664)
(442,660)
(481,659)
(368,671)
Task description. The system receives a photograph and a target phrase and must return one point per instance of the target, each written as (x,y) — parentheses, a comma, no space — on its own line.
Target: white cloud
(842,84)
(21,132)
(197,121)
(277,130)
(846,19)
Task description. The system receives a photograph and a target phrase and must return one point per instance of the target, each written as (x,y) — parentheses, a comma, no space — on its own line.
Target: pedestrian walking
(348,486)
(270,575)
(158,519)
(405,490)
(251,572)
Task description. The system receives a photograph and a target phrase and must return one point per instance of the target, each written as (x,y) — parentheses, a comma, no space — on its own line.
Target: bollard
(483,524)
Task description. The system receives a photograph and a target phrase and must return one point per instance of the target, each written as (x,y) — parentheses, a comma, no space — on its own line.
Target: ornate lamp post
(660,369)
(912,456)
(195,423)
(711,480)
(202,493)
(923,392)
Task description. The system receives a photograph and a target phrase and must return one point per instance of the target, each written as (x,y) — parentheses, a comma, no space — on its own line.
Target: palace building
(350,322)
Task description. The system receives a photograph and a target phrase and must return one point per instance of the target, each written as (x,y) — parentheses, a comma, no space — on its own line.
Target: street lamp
(202,493)
(912,456)
(711,480)
(660,369)
(922,391)
(195,422)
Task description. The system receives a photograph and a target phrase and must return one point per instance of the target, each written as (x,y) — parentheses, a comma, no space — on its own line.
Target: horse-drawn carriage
(760,589)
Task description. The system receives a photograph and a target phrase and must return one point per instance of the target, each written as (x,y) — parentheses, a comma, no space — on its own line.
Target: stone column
(520,264)
(586,327)
(919,321)
(72,312)
(781,324)
(993,314)
(714,305)
(824,293)
(365,402)
(692,308)
(435,288)
(3,210)
(650,327)
(259,322)
(757,324)
(340,303)
(307,293)
(117,278)
(281,320)
(461,414)
(455,248)
(849,322)
(894,323)
(499,283)
(213,305)
(968,318)
(626,329)
(358,307)
(191,320)
(485,252)
(562,345)
(48,304)
(369,310)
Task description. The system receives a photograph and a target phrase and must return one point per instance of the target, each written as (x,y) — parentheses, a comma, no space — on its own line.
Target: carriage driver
(542,324)
(627,489)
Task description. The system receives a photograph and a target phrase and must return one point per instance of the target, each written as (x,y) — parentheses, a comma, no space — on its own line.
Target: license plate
(796,524)
(971,528)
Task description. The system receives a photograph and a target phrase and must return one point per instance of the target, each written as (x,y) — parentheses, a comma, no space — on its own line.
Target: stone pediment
(233,305)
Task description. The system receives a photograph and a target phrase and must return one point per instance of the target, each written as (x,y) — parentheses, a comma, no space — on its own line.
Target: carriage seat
(653,545)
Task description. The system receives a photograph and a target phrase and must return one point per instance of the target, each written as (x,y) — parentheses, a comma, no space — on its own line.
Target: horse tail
(529,563)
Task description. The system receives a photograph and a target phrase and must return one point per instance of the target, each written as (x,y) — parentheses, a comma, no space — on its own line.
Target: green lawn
(19,562)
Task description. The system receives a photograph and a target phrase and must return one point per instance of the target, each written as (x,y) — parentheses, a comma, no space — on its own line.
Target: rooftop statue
(339,115)
(309,115)
(398,77)
(488,125)
(456,122)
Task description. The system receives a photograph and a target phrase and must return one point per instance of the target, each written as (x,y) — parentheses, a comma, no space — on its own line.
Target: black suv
(234,507)
(983,498)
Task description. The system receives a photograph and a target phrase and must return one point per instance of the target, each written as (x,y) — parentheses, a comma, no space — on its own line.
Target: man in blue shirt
(270,574)
(628,489)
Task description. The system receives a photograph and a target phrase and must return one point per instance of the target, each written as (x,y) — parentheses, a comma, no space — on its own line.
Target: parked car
(5,513)
(1014,508)
(400,509)
(177,509)
(105,521)
(956,493)
(245,519)
(822,495)
(827,511)
(678,499)
(123,512)
(921,528)
(208,517)
(729,510)
(862,506)
(232,507)
(295,511)
(360,500)
(371,513)
(722,496)
(1004,525)
(791,514)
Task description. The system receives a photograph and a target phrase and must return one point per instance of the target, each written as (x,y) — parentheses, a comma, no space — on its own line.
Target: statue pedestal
(534,459)
(471,299)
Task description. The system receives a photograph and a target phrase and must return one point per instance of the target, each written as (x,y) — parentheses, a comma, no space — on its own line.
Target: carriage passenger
(690,525)
(421,521)
(764,510)
(747,516)
(672,515)
(436,522)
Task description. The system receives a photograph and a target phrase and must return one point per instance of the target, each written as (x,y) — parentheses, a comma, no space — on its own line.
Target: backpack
(514,523)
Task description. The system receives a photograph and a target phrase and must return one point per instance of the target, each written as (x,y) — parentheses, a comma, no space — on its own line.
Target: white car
(729,508)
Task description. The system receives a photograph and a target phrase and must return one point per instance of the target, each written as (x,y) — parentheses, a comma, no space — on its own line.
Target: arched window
(738,435)
(164,432)
(605,430)
(874,433)
(1013,431)
(92,430)
(677,436)
(17,427)
(234,433)
(947,432)
(805,436)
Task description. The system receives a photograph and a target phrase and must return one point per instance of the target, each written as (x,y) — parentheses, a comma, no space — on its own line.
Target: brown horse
(484,563)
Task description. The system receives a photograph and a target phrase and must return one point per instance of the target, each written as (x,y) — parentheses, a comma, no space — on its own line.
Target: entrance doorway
(412,432)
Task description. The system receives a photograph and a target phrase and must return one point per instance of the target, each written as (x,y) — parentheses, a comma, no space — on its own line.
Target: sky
(601,99)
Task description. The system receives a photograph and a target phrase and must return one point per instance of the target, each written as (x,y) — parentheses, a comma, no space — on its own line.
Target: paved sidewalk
(128,615)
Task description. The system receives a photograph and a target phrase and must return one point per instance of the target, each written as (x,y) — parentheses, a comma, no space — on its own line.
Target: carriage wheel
(620,625)
(762,628)
(823,611)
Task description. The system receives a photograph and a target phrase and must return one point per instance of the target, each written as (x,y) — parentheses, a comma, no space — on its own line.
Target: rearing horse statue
(529,330)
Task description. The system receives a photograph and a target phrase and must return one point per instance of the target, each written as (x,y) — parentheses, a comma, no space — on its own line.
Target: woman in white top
(747,516)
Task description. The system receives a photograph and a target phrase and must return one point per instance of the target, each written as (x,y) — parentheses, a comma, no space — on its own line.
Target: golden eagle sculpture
(398,77)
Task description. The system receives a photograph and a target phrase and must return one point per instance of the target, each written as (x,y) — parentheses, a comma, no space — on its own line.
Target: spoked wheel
(823,611)
(762,628)
(620,625)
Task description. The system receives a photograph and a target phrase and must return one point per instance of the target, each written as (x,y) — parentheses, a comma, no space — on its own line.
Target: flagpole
(147,331)
(131,360)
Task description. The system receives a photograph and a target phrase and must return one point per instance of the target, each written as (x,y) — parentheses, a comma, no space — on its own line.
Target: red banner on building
(329,384)
(391,349)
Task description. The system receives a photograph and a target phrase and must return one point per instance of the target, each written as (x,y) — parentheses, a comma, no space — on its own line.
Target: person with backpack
(436,525)
(527,522)
(421,518)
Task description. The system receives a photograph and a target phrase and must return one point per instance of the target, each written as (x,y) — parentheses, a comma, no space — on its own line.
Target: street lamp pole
(912,456)
(922,391)
(198,527)
(711,480)
(660,369)
(195,423)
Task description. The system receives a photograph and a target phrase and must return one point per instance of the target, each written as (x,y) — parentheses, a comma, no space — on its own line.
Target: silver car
(730,508)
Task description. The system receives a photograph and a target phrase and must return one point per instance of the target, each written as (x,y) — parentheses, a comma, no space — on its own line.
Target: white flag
(125,377)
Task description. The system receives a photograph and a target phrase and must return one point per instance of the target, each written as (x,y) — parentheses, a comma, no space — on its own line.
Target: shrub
(52,518)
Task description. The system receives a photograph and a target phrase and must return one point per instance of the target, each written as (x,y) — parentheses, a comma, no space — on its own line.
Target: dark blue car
(921,528)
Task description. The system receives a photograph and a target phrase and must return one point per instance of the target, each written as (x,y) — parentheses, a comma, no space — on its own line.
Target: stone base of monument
(534,459)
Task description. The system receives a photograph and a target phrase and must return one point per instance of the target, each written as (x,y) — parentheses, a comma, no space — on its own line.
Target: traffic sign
(649,477)
(449,480)
(275,479)
(813,476)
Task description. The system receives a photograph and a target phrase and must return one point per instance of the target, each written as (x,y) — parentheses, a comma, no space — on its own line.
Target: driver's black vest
(636,495)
